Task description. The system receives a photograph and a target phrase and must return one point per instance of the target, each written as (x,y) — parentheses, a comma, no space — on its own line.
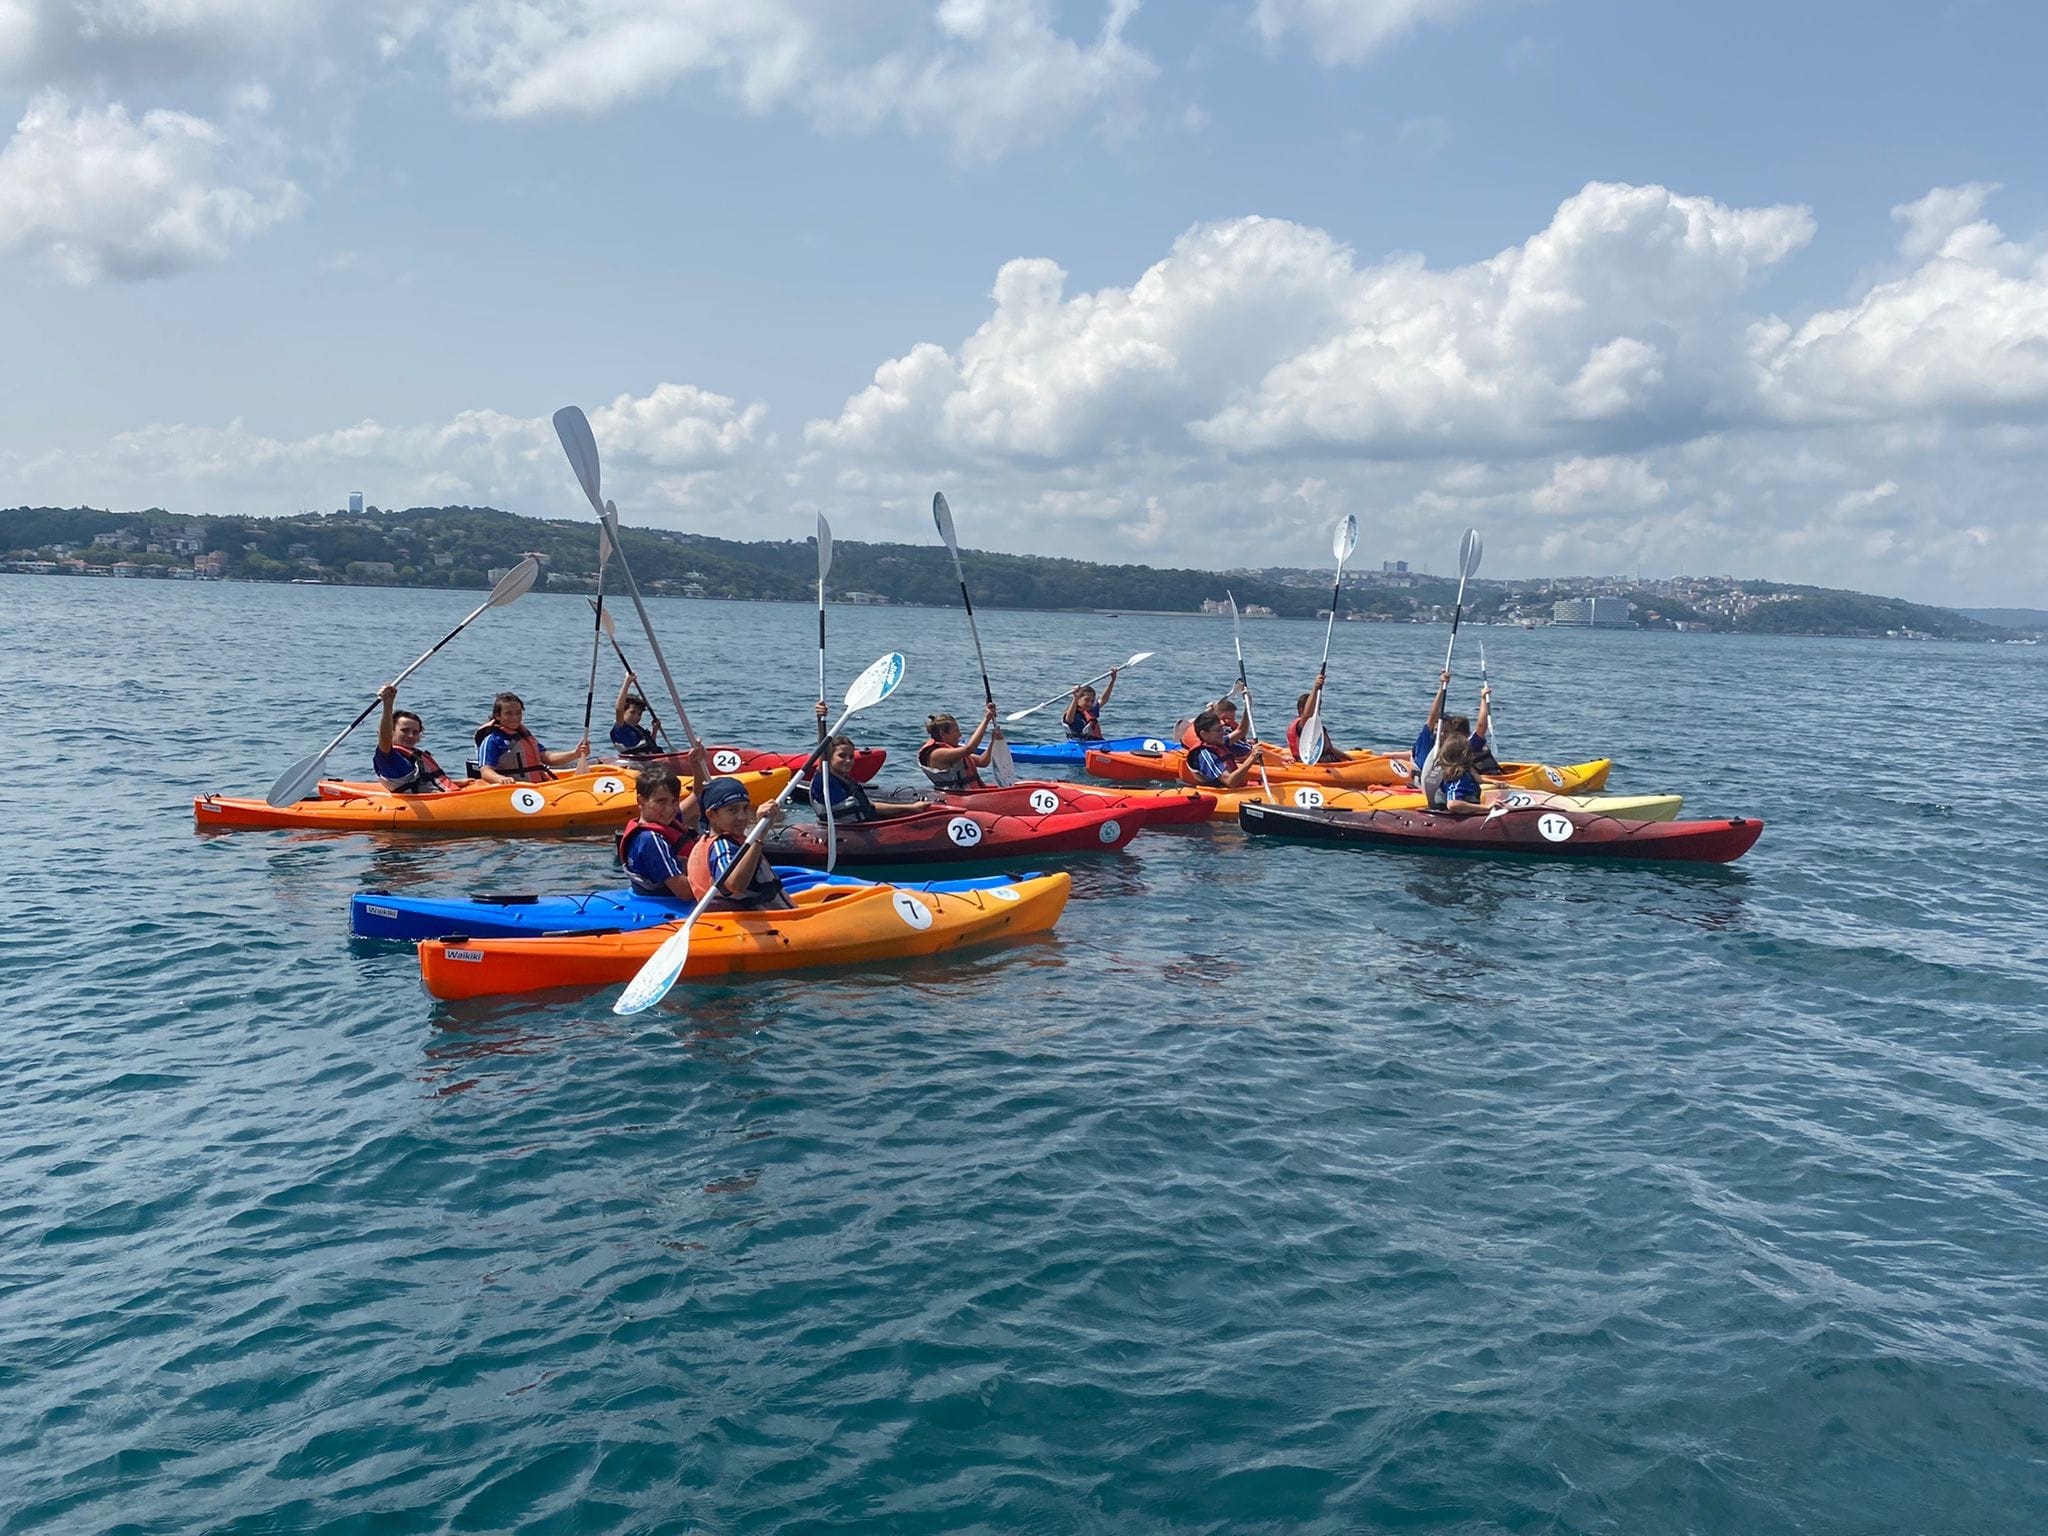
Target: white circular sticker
(913,912)
(725,760)
(1554,776)
(1555,828)
(964,833)
(1308,797)
(1110,831)
(526,800)
(1003,893)
(1044,801)
(609,786)
(1154,744)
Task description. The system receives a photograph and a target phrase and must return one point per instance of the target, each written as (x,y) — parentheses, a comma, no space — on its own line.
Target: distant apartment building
(1594,612)
(355,503)
(1394,567)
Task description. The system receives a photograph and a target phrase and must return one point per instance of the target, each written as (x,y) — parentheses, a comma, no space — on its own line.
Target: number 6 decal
(526,800)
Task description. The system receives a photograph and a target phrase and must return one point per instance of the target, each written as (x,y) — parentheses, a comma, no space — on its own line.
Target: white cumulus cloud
(97,193)
(1349,31)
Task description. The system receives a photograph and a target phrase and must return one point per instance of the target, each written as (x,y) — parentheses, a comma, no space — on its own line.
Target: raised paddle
(824,781)
(573,428)
(651,983)
(1000,762)
(1486,686)
(1468,565)
(1250,725)
(1309,739)
(1018,714)
(295,781)
(611,633)
(604,550)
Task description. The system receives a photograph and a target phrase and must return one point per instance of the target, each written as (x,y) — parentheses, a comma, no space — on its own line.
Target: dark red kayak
(1042,797)
(1535,831)
(949,835)
(867,761)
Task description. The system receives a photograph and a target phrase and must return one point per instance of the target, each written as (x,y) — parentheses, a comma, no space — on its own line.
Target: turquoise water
(1283,1188)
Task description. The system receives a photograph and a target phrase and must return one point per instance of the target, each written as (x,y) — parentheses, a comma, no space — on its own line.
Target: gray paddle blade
(1468,553)
(824,547)
(515,583)
(1346,540)
(573,428)
(943,516)
(297,781)
(1001,763)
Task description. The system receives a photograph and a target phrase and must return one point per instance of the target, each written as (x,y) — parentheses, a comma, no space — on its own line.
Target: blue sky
(1736,288)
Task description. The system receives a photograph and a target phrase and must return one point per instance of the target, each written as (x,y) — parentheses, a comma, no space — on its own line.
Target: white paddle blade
(1469,549)
(1141,656)
(515,583)
(1001,762)
(1311,739)
(573,428)
(1346,540)
(1021,714)
(943,516)
(297,781)
(662,970)
(876,684)
(824,547)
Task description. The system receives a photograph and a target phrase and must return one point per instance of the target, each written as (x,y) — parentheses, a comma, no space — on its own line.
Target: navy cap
(722,792)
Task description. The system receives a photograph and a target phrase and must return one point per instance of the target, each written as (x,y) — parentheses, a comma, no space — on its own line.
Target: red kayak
(1043,797)
(948,834)
(1535,831)
(867,761)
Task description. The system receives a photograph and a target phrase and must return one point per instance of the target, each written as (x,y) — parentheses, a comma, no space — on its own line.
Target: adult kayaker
(949,762)
(401,764)
(1305,706)
(1215,759)
(734,873)
(1456,725)
(850,799)
(1084,716)
(655,845)
(628,734)
(508,753)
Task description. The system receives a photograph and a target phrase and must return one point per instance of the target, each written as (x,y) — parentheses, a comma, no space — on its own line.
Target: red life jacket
(422,774)
(961,775)
(679,844)
(533,772)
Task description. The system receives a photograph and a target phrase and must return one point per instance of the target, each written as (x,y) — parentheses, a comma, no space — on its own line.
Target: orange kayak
(830,925)
(599,798)
(1360,770)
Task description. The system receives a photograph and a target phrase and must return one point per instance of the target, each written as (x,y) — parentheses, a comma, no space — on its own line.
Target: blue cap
(722,792)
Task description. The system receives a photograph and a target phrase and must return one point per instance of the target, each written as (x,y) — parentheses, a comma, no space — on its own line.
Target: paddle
(604,550)
(1000,762)
(611,633)
(1468,562)
(1015,715)
(825,781)
(1250,726)
(650,985)
(291,785)
(1309,739)
(1486,686)
(573,428)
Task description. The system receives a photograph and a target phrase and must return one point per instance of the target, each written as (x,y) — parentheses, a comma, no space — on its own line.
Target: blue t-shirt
(651,863)
(1464,787)
(497,744)
(1212,764)
(1425,743)
(724,853)
(1084,724)
(633,738)
(850,801)
(391,763)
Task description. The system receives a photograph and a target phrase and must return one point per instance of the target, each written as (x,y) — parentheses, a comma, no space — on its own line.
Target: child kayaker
(1450,781)
(734,873)
(1426,738)
(949,762)
(508,753)
(655,845)
(401,764)
(1084,715)
(1216,760)
(850,800)
(629,710)
(1305,706)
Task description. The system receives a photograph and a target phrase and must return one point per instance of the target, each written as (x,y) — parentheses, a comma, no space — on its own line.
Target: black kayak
(1532,831)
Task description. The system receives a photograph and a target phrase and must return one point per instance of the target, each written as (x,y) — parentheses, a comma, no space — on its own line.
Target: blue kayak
(1075,753)
(380,915)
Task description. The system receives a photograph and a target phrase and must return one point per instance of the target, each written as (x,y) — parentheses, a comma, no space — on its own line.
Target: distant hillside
(2009,618)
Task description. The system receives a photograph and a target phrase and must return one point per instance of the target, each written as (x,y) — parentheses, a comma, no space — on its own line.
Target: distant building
(1394,567)
(355,503)
(1594,612)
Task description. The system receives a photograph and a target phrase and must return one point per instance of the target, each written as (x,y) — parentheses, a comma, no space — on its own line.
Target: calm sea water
(1283,1188)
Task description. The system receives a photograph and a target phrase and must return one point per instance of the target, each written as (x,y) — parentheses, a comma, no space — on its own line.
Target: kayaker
(1216,760)
(850,799)
(1305,706)
(1225,710)
(401,764)
(949,762)
(508,753)
(1451,782)
(1456,725)
(655,845)
(1084,715)
(628,734)
(733,872)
